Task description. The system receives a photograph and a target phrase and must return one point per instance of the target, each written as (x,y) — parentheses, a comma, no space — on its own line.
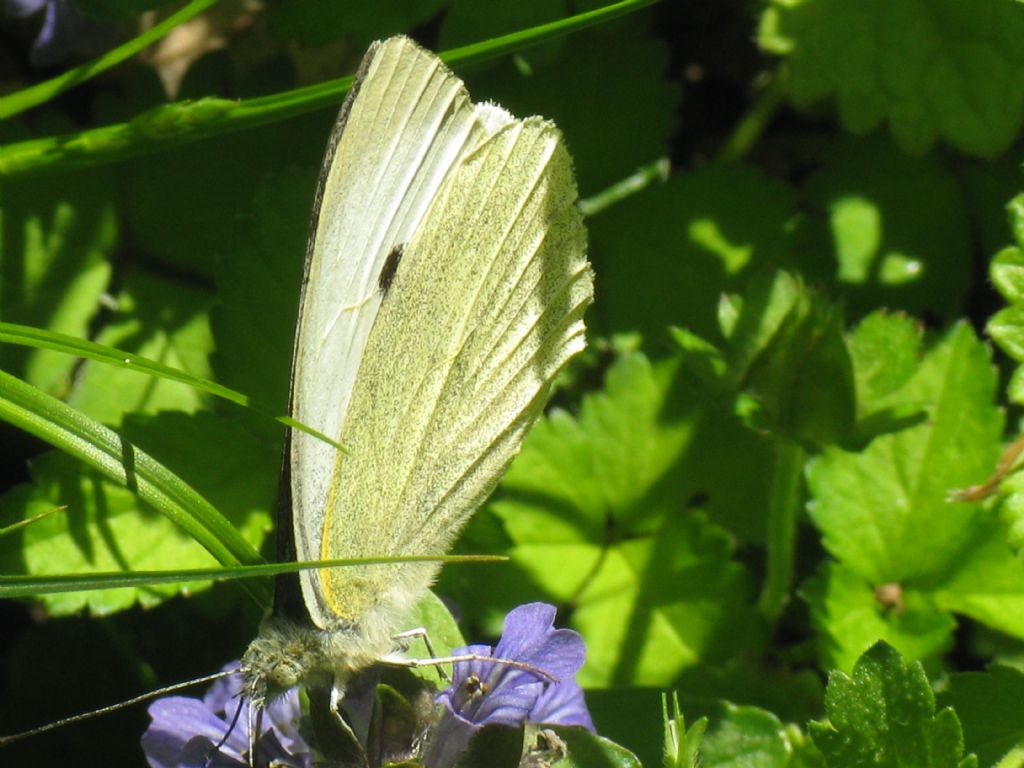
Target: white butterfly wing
(485,308)
(404,126)
(431,377)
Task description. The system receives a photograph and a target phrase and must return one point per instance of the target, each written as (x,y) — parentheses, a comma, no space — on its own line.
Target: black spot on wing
(387,273)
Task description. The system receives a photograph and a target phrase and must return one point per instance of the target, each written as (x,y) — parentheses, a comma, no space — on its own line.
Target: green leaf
(748,737)
(258,283)
(204,207)
(850,615)
(105,528)
(1006,327)
(932,69)
(157,319)
(604,498)
(875,506)
(1000,326)
(612,76)
(55,253)
(112,357)
(877,205)
(706,619)
(872,506)
(443,634)
(433,615)
(630,716)
(884,715)
(500,746)
(665,256)
(988,705)
(986,582)
(587,749)
(886,350)
(700,358)
(787,353)
(124,361)
(117,459)
(1007,272)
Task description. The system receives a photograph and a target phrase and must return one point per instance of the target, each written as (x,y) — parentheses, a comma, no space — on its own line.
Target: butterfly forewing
(405,127)
(486,305)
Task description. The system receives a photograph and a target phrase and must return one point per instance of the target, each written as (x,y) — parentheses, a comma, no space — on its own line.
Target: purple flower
(65,30)
(185,730)
(485,692)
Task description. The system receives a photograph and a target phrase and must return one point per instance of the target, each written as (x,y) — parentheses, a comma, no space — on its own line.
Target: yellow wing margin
(485,308)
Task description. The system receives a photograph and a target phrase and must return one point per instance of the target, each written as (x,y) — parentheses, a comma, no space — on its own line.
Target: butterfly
(444,288)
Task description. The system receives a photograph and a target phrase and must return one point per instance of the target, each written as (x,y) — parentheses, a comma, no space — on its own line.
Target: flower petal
(562,704)
(529,636)
(179,728)
(185,730)
(224,690)
(453,735)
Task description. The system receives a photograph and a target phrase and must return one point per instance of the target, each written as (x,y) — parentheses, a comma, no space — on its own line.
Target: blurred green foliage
(807,314)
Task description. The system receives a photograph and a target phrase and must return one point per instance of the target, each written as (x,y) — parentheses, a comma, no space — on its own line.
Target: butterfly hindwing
(484,309)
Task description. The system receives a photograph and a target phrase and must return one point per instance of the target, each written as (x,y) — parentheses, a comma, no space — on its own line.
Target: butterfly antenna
(401,661)
(433,660)
(239,697)
(10,739)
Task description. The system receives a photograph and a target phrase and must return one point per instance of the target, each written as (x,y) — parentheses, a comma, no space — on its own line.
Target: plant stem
(782,517)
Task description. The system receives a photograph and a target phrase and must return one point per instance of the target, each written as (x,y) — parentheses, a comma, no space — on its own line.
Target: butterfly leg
(422,634)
